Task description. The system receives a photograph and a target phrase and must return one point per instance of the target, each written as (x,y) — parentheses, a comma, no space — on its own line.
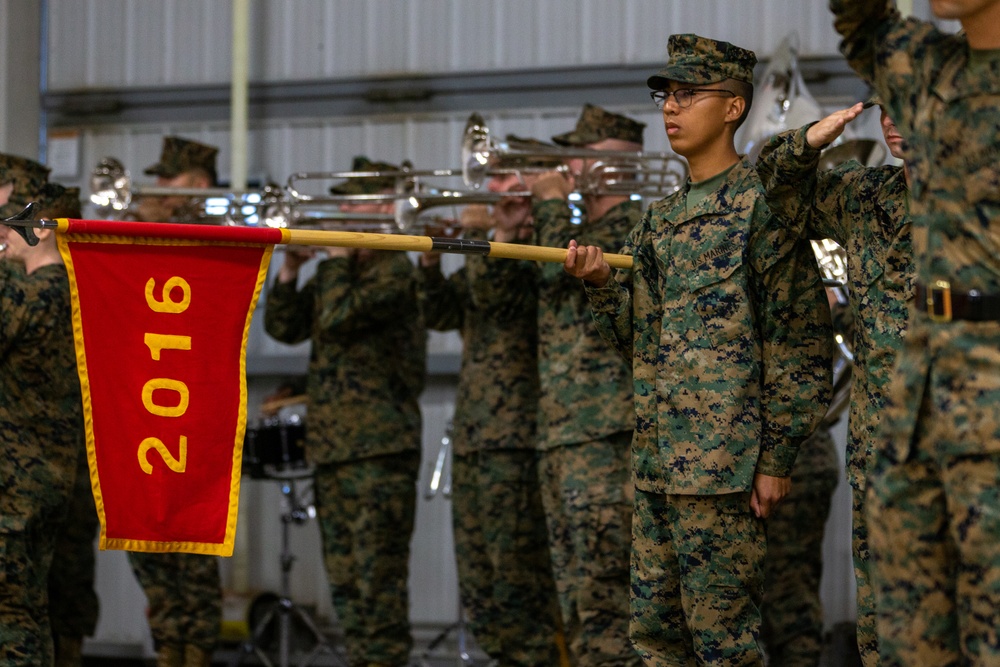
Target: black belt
(943,304)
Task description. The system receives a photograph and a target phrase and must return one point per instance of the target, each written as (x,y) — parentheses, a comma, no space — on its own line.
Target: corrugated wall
(113,43)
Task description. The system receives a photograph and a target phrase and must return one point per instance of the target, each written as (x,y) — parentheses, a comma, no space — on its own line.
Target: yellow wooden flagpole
(438,244)
(316,237)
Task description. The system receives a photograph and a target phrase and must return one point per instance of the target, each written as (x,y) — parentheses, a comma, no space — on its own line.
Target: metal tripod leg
(284,608)
(441,480)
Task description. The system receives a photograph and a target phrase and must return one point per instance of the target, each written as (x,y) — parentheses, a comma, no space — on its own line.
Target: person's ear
(735,109)
(44,234)
(198,179)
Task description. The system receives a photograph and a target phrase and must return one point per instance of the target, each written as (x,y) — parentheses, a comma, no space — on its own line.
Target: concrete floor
(433,649)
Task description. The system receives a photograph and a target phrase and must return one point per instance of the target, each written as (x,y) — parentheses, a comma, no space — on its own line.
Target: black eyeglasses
(683,96)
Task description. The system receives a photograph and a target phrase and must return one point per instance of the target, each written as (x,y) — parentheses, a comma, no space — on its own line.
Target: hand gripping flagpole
(306,237)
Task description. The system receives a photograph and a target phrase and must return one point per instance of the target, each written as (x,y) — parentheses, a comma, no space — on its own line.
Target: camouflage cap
(56,201)
(27,176)
(367,185)
(180,155)
(596,124)
(873,100)
(529,144)
(700,60)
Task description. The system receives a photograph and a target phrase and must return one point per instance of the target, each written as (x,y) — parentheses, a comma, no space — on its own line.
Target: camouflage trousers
(697,580)
(184,596)
(73,604)
(587,494)
(867,631)
(35,486)
(26,548)
(934,524)
(502,553)
(366,512)
(792,614)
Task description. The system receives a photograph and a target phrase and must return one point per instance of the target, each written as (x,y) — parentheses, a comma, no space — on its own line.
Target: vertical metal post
(239,95)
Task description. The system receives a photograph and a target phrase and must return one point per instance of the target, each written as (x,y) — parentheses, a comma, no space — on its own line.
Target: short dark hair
(740,89)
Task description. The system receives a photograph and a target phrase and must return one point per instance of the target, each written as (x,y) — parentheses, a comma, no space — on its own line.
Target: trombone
(112,193)
(626,173)
(309,205)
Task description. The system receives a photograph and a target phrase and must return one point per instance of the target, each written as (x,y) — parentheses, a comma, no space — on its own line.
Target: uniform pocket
(718,291)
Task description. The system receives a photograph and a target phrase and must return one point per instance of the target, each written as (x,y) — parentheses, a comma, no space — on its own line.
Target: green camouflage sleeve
(821,205)
(442,300)
(887,51)
(612,304)
(796,335)
(288,312)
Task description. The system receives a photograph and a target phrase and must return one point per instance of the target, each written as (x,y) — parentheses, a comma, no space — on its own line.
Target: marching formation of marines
(642,457)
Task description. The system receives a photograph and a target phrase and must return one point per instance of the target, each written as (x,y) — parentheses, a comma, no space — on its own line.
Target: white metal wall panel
(69,34)
(116,43)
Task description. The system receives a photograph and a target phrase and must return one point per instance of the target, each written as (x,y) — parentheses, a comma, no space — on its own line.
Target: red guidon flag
(161,314)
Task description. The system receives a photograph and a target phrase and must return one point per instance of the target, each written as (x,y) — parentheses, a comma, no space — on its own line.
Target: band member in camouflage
(183,591)
(366,373)
(865,211)
(585,409)
(501,543)
(41,433)
(932,503)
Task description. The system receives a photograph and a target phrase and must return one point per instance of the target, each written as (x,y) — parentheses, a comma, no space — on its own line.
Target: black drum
(276,449)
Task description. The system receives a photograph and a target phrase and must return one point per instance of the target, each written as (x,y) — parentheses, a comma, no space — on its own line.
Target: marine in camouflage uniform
(792,612)
(41,432)
(501,543)
(26,178)
(585,417)
(183,163)
(726,325)
(366,373)
(73,602)
(933,508)
(183,591)
(864,210)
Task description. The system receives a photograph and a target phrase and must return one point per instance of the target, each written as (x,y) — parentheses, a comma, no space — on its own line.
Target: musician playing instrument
(366,373)
(864,209)
(501,544)
(183,590)
(41,432)
(183,163)
(585,411)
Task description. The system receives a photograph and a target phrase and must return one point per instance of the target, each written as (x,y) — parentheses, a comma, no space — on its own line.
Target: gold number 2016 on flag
(157,343)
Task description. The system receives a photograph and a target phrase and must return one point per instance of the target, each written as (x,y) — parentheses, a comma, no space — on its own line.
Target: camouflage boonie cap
(367,185)
(180,155)
(56,201)
(700,60)
(28,178)
(596,124)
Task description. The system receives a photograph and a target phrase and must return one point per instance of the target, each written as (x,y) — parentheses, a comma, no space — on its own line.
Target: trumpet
(112,193)
(642,173)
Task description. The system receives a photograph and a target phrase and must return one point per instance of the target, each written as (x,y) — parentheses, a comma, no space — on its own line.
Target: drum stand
(284,609)
(441,479)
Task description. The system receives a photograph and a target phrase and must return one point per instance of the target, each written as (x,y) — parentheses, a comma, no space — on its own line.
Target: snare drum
(276,449)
